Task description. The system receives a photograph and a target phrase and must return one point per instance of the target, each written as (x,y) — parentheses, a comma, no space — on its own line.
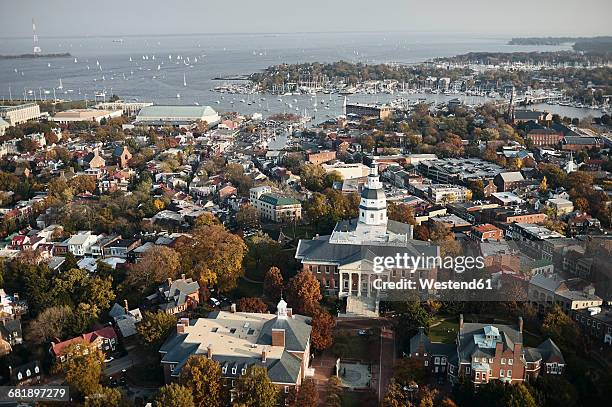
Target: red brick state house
(484,352)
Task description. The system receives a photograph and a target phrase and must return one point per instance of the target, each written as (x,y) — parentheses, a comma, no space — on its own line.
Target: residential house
(546,291)
(174,297)
(25,375)
(104,339)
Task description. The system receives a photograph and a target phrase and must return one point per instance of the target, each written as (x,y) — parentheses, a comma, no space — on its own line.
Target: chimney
(520,324)
(125,305)
(233,308)
(209,351)
(290,312)
(460,321)
(263,355)
(278,337)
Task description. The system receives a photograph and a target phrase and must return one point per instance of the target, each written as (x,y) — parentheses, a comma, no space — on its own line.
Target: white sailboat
(75,60)
(184,80)
(178,95)
(130,59)
(60,85)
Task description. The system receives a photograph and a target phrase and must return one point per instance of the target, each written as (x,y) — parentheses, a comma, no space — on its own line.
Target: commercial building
(487,232)
(596,322)
(578,143)
(274,206)
(545,137)
(458,170)
(128,108)
(18,114)
(545,291)
(279,342)
(159,115)
(485,352)
(561,206)
(321,157)
(438,193)
(84,115)
(380,112)
(508,181)
(348,171)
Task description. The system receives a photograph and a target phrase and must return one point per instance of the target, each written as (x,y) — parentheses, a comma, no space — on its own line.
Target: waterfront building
(380,112)
(84,115)
(158,115)
(128,108)
(18,114)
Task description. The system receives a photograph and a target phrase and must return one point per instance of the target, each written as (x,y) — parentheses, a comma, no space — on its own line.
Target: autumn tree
(254,388)
(562,330)
(105,397)
(174,395)
(322,330)
(155,267)
(203,377)
(395,396)
(400,213)
(82,370)
(155,327)
(252,304)
(582,204)
(333,392)
(273,284)
(213,256)
(304,293)
(306,395)
(263,253)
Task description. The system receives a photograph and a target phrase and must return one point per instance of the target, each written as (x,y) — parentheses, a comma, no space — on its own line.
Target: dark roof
(468,346)
(297,332)
(368,193)
(550,352)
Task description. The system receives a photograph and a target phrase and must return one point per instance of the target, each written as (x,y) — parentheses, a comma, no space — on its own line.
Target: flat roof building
(85,115)
(18,114)
(176,115)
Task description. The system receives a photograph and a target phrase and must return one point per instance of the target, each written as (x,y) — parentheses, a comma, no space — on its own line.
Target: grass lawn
(445,332)
(248,289)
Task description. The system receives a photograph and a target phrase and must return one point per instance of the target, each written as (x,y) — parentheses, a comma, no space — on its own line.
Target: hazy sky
(127,17)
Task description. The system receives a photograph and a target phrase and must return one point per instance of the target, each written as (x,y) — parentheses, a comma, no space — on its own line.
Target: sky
(161,17)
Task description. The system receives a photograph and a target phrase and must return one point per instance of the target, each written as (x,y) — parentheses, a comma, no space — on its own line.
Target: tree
(562,330)
(322,330)
(174,395)
(254,388)
(203,377)
(53,322)
(313,177)
(306,396)
(247,217)
(543,185)
(263,253)
(82,371)
(273,284)
(213,255)
(155,327)
(155,267)
(519,396)
(446,402)
(395,396)
(410,370)
(105,397)
(400,213)
(304,293)
(582,204)
(252,304)
(333,397)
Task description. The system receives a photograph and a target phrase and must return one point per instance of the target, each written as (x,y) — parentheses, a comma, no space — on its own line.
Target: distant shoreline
(32,56)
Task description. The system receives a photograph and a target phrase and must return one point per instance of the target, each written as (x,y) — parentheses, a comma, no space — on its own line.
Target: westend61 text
(430,284)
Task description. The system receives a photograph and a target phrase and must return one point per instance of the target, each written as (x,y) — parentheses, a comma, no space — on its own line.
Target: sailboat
(60,85)
(130,59)
(178,95)
(184,80)
(75,60)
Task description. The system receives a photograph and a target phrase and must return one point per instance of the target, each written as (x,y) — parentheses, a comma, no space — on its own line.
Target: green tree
(203,377)
(155,327)
(254,388)
(174,395)
(82,371)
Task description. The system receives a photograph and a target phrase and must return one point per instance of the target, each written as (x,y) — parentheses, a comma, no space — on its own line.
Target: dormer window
(28,373)
(243,370)
(234,370)
(224,370)
(19,376)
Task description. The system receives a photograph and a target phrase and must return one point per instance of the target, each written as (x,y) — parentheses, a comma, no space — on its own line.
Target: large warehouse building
(176,115)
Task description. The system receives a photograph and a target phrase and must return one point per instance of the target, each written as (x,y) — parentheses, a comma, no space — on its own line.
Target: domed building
(342,261)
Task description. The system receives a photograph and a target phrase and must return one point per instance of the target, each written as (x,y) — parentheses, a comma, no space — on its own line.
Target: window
(437,360)
(426,363)
(510,373)
(286,389)
(501,372)
(467,370)
(510,361)
(477,375)
(234,370)
(444,360)
(243,370)
(490,360)
(476,360)
(503,361)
